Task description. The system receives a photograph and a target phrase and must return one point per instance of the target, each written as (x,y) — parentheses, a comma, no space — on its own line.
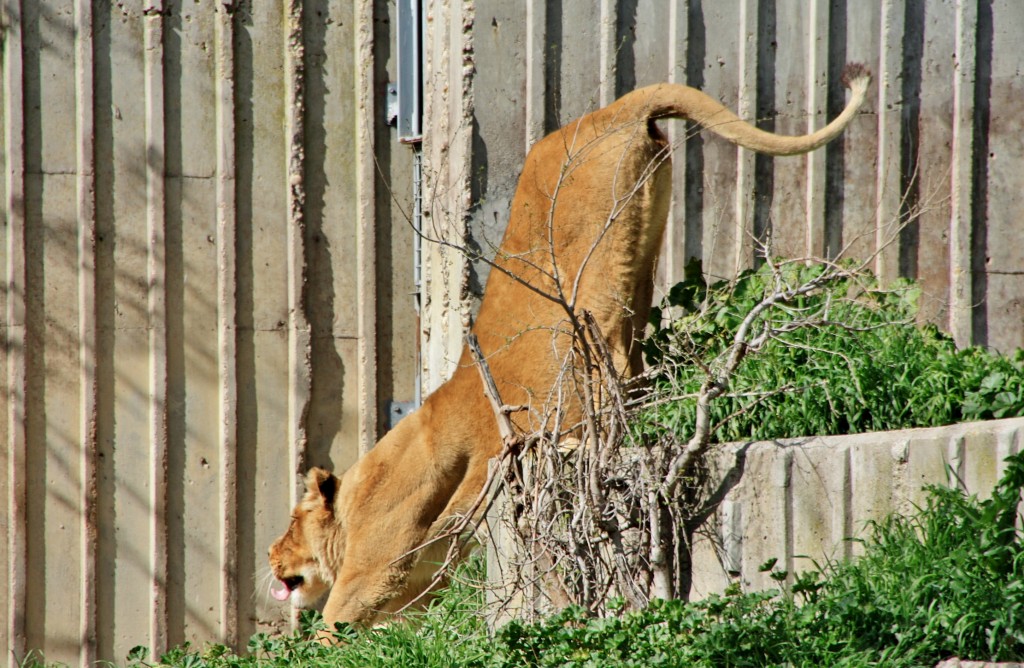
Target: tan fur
(586,224)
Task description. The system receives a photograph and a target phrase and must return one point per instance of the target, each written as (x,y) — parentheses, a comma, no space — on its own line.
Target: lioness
(585,228)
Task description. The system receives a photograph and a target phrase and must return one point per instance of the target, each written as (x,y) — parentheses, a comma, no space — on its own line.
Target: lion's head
(306,558)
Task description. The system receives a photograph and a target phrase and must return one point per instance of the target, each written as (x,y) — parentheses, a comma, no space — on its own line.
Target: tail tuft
(854,72)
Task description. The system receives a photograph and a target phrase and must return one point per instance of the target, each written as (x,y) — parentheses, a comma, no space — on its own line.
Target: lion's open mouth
(288,585)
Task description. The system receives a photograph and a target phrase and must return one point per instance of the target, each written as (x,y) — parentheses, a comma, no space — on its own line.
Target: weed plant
(846,359)
(451,632)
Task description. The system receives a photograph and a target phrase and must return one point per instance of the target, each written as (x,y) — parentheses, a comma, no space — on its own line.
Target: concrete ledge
(797,500)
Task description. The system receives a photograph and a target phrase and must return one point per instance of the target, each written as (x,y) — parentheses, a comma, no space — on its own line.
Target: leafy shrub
(861,366)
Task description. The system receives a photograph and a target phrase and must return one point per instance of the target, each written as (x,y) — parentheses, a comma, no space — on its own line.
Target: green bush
(864,367)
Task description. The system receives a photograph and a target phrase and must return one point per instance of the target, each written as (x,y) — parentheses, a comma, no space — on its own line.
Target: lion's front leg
(360,596)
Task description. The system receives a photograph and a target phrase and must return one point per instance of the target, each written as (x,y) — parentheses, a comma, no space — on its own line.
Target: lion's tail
(679,101)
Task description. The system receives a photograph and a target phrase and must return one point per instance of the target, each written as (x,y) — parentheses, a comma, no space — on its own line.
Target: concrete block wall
(799,500)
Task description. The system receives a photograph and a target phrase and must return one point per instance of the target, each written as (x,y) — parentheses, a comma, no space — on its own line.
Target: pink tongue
(279,591)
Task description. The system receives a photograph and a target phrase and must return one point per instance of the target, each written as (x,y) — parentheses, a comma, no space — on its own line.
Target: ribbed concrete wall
(207,289)
(799,500)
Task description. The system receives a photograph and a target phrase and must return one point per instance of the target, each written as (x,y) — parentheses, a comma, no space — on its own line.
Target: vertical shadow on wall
(705,498)
(175,321)
(694,228)
(326,368)
(625,46)
(552,55)
(694,194)
(103,138)
(979,196)
(765,112)
(36,447)
(385,266)
(835,158)
(246,434)
(913,53)
(478,241)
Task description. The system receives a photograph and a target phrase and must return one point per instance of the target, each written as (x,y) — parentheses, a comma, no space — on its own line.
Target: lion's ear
(324,483)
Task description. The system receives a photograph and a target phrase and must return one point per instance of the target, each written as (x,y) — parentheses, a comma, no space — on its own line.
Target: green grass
(451,632)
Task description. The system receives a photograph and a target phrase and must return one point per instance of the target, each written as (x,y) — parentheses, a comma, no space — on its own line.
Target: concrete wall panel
(576,34)
(998,265)
(872,483)
(785,61)
(810,495)
(820,504)
(718,56)
(54,479)
(766,517)
(500,129)
(928,460)
(6,363)
(925,243)
(398,318)
(261,456)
